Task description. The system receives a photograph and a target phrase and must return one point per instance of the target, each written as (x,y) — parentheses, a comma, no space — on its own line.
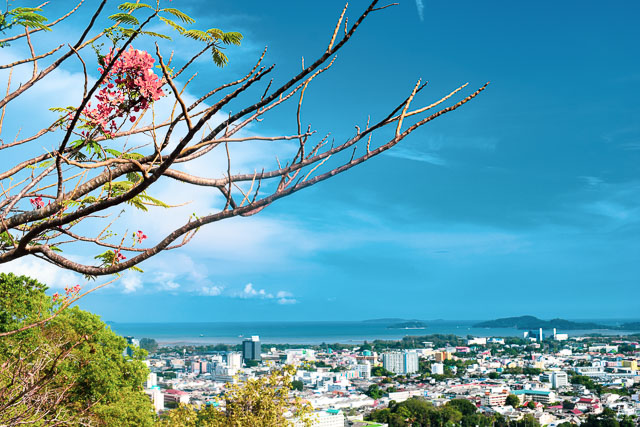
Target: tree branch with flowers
(49,199)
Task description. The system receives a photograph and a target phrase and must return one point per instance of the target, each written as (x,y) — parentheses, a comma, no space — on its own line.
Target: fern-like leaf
(125,18)
(232,37)
(197,35)
(128,6)
(180,15)
(219,58)
(169,22)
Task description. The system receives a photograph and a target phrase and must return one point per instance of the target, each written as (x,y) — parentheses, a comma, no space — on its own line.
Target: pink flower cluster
(119,257)
(139,236)
(37,202)
(71,292)
(130,86)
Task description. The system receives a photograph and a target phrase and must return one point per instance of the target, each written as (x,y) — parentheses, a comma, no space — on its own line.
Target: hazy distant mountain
(532,322)
(630,326)
(386,320)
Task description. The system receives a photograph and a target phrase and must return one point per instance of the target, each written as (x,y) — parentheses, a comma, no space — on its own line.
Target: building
(364,370)
(131,341)
(543,396)
(477,341)
(176,396)
(559,379)
(437,368)
(441,356)
(157,398)
(590,371)
(199,367)
(297,355)
(152,380)
(405,362)
(494,397)
(234,360)
(535,335)
(251,349)
(328,418)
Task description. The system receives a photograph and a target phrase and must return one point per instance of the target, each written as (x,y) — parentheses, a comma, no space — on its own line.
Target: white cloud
(420,7)
(211,291)
(406,153)
(285,301)
(46,273)
(250,292)
(284,294)
(131,283)
(169,286)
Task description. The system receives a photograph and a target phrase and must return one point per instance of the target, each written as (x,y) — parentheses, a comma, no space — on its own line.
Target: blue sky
(524,201)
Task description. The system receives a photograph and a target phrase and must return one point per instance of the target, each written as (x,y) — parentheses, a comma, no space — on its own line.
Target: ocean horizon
(314,332)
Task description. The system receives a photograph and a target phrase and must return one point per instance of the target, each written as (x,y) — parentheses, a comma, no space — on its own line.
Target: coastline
(311,333)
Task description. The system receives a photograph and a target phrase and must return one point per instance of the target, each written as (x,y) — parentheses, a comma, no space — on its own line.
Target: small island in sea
(410,324)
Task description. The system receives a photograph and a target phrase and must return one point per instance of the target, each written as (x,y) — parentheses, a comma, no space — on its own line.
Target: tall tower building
(251,348)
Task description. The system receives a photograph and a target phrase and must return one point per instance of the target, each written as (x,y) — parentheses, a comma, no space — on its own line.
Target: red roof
(576,411)
(176,392)
(588,400)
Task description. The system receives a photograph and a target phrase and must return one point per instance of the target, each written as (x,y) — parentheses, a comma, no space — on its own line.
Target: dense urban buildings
(547,382)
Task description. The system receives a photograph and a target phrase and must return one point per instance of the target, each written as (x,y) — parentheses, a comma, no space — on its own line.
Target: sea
(311,332)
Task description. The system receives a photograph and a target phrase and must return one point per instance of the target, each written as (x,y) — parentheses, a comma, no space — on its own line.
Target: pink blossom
(131,84)
(140,236)
(37,202)
(119,257)
(56,296)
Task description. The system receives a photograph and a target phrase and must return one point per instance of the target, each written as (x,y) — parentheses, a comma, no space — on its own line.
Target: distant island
(532,322)
(410,324)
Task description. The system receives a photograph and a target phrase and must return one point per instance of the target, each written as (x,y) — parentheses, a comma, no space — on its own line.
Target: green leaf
(125,18)
(114,153)
(153,34)
(172,24)
(216,33)
(232,38)
(219,58)
(197,35)
(128,6)
(180,15)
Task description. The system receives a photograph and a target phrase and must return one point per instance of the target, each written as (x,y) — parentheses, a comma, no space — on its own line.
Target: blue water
(303,332)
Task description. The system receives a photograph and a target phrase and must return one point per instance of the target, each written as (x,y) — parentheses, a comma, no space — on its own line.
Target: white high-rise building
(152,380)
(559,379)
(364,370)
(234,360)
(437,368)
(400,362)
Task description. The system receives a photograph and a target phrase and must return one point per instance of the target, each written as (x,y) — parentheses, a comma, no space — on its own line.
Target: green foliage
(129,6)
(77,360)
(23,301)
(27,17)
(262,401)
(587,382)
(419,412)
(297,385)
(512,400)
(379,371)
(374,391)
(149,345)
(463,406)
